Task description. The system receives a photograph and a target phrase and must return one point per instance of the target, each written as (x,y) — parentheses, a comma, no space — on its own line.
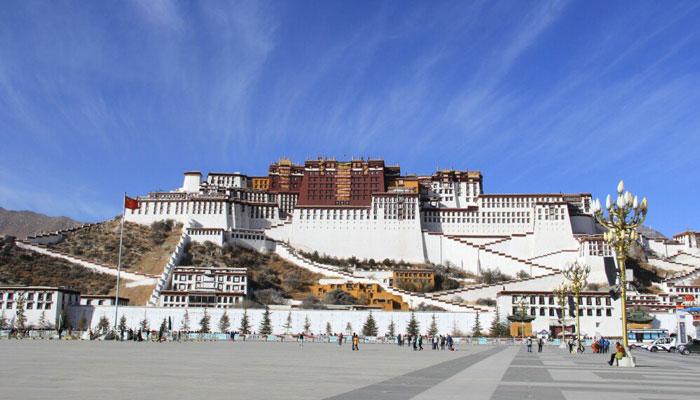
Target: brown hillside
(268,271)
(25,223)
(146,248)
(24,267)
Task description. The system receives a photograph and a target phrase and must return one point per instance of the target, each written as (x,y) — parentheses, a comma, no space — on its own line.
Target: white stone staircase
(164,279)
(97,267)
(415,299)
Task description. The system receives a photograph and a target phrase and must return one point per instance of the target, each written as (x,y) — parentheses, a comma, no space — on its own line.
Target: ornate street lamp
(561,291)
(624,216)
(577,274)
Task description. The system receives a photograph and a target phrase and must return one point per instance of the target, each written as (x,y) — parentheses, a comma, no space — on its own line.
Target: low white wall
(318,318)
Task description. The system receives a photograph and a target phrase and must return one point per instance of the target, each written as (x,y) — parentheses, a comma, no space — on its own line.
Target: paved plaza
(255,370)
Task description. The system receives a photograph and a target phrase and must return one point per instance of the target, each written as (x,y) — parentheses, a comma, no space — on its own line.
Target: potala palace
(366,209)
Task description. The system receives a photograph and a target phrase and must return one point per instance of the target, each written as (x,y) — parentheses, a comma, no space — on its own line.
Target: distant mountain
(25,223)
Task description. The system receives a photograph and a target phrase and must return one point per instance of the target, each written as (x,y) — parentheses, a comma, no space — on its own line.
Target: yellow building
(260,182)
(372,294)
(409,183)
(413,279)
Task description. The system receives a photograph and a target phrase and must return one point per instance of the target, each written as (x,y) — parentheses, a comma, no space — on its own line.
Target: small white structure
(101,300)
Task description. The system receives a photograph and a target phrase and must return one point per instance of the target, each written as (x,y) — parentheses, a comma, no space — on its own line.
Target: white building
(41,303)
(368,210)
(216,287)
(599,314)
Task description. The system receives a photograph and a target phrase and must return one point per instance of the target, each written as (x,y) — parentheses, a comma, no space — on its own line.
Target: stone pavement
(254,370)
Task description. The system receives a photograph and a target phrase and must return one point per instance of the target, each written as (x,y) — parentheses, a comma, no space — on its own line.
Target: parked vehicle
(665,343)
(691,347)
(640,337)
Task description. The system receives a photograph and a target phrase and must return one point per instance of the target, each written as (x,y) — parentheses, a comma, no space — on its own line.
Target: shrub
(269,296)
(311,302)
(340,297)
(486,302)
(489,276)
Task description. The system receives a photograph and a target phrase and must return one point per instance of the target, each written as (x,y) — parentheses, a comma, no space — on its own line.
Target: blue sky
(98,98)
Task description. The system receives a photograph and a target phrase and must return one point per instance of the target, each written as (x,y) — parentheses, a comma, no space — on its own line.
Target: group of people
(442,342)
(575,344)
(354,341)
(601,346)
(540,344)
(415,341)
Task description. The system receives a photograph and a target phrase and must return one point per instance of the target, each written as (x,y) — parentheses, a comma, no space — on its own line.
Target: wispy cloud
(519,90)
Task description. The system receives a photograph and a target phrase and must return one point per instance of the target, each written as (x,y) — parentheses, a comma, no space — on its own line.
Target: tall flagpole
(119,267)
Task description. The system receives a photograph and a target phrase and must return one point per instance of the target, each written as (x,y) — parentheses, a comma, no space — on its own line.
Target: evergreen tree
(476,332)
(266,324)
(43,322)
(348,327)
(456,332)
(204,322)
(497,329)
(224,323)
(21,321)
(392,329)
(186,321)
(64,320)
(3,320)
(245,323)
(329,328)
(144,324)
(413,326)
(82,324)
(433,330)
(370,326)
(122,323)
(307,325)
(288,324)
(103,324)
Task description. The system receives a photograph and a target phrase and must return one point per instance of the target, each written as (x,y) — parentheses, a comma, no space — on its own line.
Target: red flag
(131,204)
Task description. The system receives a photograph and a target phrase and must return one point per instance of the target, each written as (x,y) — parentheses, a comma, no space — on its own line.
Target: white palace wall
(362,238)
(318,318)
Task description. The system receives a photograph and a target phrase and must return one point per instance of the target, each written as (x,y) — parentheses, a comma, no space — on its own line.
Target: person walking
(540,344)
(340,339)
(415,342)
(355,342)
(410,339)
(571,345)
(301,339)
(450,342)
(420,342)
(529,344)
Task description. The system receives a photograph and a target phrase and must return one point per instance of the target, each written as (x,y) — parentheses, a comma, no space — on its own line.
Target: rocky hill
(25,223)
(272,277)
(145,249)
(24,267)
